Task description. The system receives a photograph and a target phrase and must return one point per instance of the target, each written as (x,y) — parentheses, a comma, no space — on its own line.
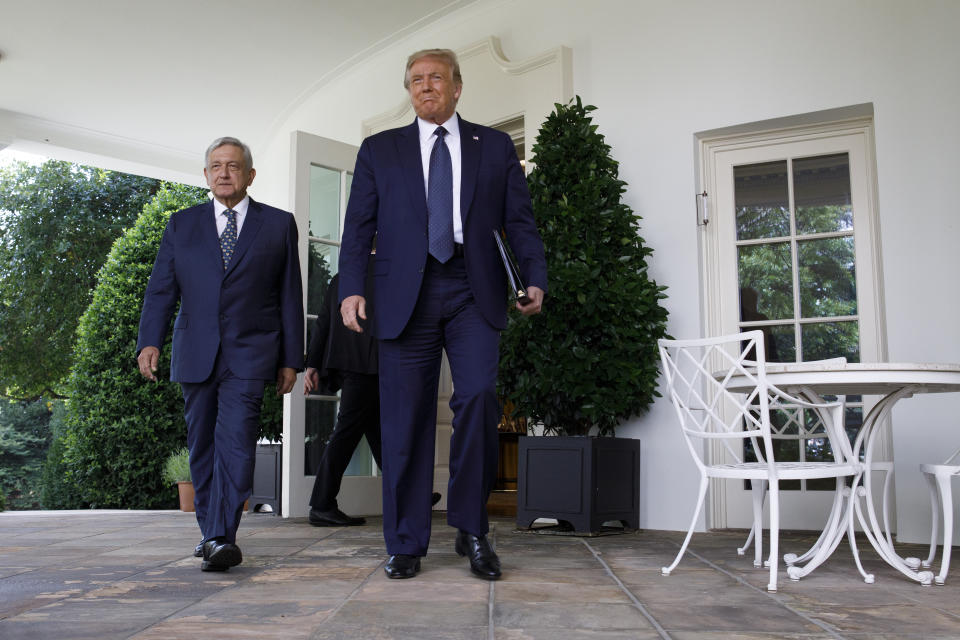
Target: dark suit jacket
(252,312)
(388,198)
(334,348)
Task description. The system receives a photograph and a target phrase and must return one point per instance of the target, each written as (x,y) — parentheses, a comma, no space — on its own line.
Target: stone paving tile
(340,631)
(560,615)
(305,612)
(763,617)
(887,619)
(17,629)
(572,634)
(191,630)
(574,594)
(423,589)
(428,615)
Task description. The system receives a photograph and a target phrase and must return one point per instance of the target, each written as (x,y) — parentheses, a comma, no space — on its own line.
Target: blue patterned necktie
(440,200)
(228,239)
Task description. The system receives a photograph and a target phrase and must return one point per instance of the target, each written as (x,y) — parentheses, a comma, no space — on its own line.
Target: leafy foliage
(24,436)
(176,468)
(590,359)
(57,223)
(57,491)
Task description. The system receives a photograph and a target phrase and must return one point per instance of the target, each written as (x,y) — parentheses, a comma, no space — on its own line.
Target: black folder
(513,273)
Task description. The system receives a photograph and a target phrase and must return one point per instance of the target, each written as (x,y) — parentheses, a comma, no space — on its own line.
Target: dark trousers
(223,420)
(446,318)
(359,416)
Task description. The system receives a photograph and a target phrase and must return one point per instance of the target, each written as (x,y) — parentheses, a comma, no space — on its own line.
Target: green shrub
(121,428)
(590,359)
(57,488)
(24,438)
(177,467)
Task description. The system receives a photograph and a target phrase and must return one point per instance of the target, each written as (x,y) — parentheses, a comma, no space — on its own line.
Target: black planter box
(580,481)
(267,478)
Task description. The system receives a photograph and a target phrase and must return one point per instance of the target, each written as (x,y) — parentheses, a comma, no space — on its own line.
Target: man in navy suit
(233,265)
(434,192)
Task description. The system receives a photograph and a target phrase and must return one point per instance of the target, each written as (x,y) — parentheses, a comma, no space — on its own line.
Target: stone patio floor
(131,574)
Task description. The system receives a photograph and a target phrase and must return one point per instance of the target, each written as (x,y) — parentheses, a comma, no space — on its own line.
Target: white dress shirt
(452,140)
(221,219)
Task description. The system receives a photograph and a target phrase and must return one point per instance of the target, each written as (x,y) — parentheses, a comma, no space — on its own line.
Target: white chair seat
(787,470)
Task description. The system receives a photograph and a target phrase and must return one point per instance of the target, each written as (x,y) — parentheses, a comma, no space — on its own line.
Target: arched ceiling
(158,80)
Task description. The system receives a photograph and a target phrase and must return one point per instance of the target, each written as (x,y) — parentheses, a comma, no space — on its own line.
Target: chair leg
(946,498)
(934,518)
(756,528)
(774,534)
(704,481)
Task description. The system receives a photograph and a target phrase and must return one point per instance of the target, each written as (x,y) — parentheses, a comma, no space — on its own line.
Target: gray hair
(219,142)
(446,55)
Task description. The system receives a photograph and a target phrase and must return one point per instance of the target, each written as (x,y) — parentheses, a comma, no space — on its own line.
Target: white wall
(659,71)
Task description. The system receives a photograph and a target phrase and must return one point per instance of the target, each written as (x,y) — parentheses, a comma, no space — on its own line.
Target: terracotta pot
(186,495)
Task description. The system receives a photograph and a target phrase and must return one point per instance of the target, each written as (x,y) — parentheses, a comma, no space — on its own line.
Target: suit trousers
(446,318)
(223,421)
(359,416)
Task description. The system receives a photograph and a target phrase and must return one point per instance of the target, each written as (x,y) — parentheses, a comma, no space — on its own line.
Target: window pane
(321,266)
(779,344)
(821,194)
(760,199)
(319,421)
(831,340)
(362,460)
(766,284)
(324,203)
(827,277)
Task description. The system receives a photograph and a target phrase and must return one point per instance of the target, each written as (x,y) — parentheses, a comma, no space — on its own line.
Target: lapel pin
(476,137)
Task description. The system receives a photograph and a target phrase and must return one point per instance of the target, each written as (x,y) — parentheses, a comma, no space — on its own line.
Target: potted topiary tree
(589,361)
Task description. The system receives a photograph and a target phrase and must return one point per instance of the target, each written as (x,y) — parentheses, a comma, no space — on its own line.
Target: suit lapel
(248,233)
(469,165)
(408,148)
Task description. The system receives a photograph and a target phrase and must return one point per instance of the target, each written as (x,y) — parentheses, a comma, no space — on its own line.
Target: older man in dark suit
(233,265)
(434,192)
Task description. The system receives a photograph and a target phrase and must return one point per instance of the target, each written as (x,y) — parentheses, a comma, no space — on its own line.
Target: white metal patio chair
(938,477)
(700,374)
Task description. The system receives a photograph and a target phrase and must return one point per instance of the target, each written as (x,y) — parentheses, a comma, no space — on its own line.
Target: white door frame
(720,309)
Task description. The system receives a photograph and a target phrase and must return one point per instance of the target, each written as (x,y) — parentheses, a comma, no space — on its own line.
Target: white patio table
(892,381)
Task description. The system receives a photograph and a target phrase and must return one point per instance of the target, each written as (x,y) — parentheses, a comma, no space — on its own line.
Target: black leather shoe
(333,518)
(402,566)
(435,498)
(198,550)
(483,560)
(220,556)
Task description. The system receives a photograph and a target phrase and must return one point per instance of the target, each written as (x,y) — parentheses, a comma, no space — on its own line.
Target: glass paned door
(321,189)
(793,247)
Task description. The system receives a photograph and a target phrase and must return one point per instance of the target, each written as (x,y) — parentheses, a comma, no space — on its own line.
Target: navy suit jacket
(388,198)
(252,312)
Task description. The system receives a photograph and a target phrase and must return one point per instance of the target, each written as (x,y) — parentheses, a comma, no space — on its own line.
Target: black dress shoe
(219,555)
(435,498)
(333,518)
(402,566)
(483,560)
(198,550)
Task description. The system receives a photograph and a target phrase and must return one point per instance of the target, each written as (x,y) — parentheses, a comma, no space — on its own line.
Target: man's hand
(536,302)
(351,308)
(311,380)
(286,377)
(148,360)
